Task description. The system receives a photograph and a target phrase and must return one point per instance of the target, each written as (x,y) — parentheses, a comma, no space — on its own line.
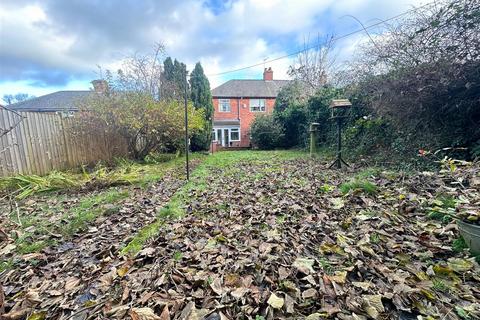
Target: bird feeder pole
(339,110)
(186,127)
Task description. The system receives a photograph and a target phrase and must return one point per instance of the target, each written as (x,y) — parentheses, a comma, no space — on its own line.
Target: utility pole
(186,127)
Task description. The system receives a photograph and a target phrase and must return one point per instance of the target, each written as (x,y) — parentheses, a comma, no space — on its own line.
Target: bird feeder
(339,110)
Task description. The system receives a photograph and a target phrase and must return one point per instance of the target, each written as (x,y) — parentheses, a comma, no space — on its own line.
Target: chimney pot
(268,74)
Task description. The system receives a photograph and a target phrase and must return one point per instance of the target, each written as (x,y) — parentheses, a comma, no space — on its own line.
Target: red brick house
(237,102)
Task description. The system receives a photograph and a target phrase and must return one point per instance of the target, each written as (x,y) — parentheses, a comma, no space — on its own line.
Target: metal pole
(339,145)
(186,128)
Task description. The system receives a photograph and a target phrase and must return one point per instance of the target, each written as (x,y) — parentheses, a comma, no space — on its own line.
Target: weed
(326,266)
(370,213)
(177,256)
(326,188)
(440,286)
(6,265)
(459,245)
(358,185)
(374,238)
(280,219)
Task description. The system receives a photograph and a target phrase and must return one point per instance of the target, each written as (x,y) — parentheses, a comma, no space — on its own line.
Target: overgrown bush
(422,76)
(266,133)
(147,124)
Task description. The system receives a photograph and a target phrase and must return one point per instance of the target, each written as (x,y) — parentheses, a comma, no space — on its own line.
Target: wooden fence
(38,142)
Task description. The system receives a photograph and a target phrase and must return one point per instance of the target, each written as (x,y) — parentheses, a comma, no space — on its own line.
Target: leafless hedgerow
(422,73)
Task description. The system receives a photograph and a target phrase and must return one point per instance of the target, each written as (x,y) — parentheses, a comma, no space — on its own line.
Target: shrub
(266,132)
(422,78)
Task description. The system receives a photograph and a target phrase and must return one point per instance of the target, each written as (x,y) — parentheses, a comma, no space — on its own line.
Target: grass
(459,245)
(440,286)
(374,238)
(27,185)
(89,209)
(37,230)
(360,185)
(225,160)
(125,172)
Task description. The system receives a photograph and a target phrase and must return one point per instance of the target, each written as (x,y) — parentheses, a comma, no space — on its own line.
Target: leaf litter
(266,241)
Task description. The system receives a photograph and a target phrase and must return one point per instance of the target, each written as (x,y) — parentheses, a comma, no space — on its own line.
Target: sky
(52,45)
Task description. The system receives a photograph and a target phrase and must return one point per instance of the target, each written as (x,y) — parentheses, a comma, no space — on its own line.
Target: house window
(224,105)
(214,135)
(257,105)
(234,134)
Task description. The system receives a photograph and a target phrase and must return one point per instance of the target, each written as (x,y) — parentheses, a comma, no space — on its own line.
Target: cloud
(52,43)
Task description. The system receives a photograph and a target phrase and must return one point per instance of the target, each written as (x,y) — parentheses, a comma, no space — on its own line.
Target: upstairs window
(257,105)
(224,105)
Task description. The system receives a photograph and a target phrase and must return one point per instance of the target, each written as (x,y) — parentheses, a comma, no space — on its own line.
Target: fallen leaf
(143,314)
(275,302)
(304,265)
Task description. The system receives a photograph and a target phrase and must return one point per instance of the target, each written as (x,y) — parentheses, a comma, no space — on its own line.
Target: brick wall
(245,115)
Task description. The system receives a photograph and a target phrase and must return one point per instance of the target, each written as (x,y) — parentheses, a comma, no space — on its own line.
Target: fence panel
(38,142)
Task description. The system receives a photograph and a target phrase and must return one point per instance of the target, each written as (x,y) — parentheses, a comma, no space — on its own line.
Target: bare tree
(141,73)
(313,64)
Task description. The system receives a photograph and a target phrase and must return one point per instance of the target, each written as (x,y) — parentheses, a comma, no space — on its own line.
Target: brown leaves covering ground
(273,239)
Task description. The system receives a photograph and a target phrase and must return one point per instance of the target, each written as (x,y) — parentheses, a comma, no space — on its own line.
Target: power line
(312,47)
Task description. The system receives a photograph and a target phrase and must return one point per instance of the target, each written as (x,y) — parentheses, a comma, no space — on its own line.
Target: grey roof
(249,89)
(57,101)
(229,122)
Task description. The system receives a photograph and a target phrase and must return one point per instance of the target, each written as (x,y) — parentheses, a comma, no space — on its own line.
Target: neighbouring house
(236,104)
(61,101)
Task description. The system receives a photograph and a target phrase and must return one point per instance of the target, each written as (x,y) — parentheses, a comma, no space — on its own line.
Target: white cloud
(55,41)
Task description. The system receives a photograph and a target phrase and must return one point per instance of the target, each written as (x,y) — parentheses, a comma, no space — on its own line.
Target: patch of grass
(37,229)
(459,245)
(364,186)
(368,173)
(326,266)
(374,238)
(6,265)
(30,246)
(280,219)
(177,256)
(89,209)
(440,286)
(326,188)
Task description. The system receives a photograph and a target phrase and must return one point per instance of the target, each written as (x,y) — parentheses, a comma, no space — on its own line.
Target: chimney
(268,74)
(100,86)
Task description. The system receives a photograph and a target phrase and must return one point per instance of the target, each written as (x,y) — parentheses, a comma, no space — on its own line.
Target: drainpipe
(238,116)
(213,129)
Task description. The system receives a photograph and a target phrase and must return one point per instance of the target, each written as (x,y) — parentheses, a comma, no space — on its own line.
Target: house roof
(57,101)
(228,122)
(249,89)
